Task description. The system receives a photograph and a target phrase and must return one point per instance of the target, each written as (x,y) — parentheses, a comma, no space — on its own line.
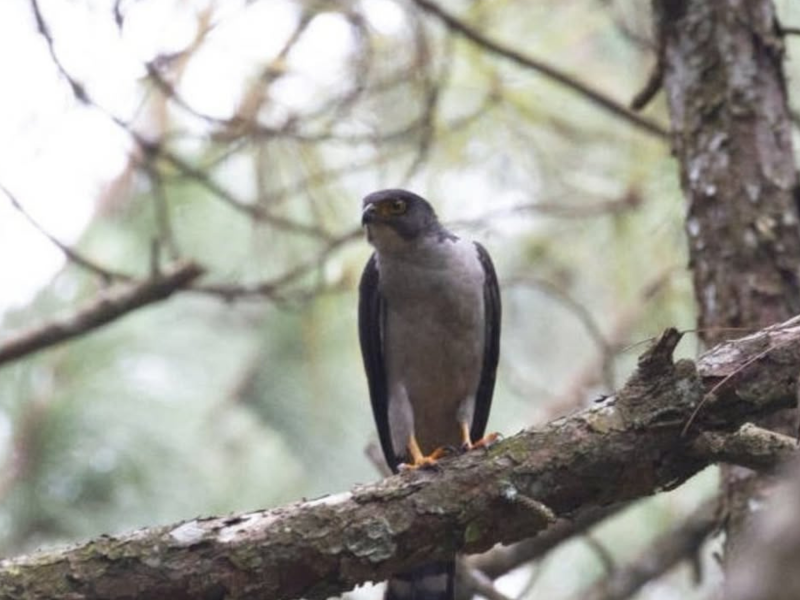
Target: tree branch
(750,446)
(732,132)
(73,255)
(596,97)
(109,305)
(630,446)
(666,552)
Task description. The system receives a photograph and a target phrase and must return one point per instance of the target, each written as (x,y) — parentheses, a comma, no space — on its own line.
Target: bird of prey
(429,327)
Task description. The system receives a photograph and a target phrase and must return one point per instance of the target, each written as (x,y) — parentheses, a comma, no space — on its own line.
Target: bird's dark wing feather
(371,315)
(491,345)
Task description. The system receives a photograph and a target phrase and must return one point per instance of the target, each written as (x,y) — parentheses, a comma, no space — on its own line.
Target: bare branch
(77,88)
(478,583)
(591,94)
(582,314)
(750,446)
(254,211)
(651,87)
(109,305)
(73,255)
(629,447)
(629,201)
(271,288)
(655,81)
(667,551)
(598,370)
(165,231)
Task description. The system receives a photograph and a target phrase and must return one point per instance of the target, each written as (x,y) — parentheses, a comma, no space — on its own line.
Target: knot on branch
(660,393)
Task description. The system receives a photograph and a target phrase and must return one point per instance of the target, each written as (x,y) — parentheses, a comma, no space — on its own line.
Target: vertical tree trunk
(726,92)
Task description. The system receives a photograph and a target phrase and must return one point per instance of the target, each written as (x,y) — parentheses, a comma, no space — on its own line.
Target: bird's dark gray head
(394,216)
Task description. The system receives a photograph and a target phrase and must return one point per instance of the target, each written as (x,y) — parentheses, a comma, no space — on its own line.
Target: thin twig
(270,287)
(478,582)
(656,78)
(602,553)
(651,87)
(667,551)
(503,559)
(109,305)
(73,255)
(597,371)
(254,211)
(591,94)
(41,25)
(583,315)
(433,88)
(166,233)
(750,446)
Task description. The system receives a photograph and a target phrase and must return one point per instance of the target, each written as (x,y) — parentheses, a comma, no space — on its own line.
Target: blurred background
(242,135)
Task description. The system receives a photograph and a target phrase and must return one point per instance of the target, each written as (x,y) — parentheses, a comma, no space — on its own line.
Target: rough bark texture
(732,136)
(633,444)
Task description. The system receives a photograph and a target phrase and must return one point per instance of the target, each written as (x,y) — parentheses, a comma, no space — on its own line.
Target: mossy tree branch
(633,444)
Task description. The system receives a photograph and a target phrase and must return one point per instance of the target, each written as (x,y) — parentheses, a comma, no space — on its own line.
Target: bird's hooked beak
(368,214)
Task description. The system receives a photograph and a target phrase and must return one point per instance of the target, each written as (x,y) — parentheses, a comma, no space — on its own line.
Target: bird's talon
(427,463)
(486,441)
(421,461)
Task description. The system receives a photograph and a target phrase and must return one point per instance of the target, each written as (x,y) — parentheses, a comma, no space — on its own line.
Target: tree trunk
(732,136)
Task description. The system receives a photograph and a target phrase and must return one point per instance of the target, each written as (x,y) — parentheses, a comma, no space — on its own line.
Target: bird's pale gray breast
(434,334)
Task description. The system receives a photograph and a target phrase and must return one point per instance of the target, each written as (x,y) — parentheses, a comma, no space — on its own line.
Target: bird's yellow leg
(418,458)
(467,443)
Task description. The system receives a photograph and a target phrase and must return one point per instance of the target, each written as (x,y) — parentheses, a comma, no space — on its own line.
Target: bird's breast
(434,336)
(436,305)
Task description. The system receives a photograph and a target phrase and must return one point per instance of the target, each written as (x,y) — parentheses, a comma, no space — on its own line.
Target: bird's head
(394,218)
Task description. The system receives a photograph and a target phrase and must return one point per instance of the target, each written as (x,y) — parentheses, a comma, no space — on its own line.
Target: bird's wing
(491,345)
(371,320)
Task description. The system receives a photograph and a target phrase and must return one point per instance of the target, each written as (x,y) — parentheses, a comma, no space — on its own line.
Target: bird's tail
(432,581)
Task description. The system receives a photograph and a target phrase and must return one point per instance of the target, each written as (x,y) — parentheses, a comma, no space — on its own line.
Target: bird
(429,317)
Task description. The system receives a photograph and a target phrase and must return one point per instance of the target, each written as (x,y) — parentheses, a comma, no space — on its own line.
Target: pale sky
(57,155)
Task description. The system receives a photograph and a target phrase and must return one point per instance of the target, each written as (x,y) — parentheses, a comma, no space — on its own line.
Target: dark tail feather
(433,581)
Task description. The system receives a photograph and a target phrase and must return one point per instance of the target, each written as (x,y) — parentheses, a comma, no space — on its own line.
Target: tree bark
(732,137)
(769,571)
(723,76)
(640,441)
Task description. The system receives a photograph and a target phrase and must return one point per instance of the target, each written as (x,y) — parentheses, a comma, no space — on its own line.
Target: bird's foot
(421,461)
(486,442)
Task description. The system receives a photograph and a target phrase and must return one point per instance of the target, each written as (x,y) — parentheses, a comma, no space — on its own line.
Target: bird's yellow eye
(397,207)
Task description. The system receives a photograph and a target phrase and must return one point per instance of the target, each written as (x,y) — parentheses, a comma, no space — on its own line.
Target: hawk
(429,327)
